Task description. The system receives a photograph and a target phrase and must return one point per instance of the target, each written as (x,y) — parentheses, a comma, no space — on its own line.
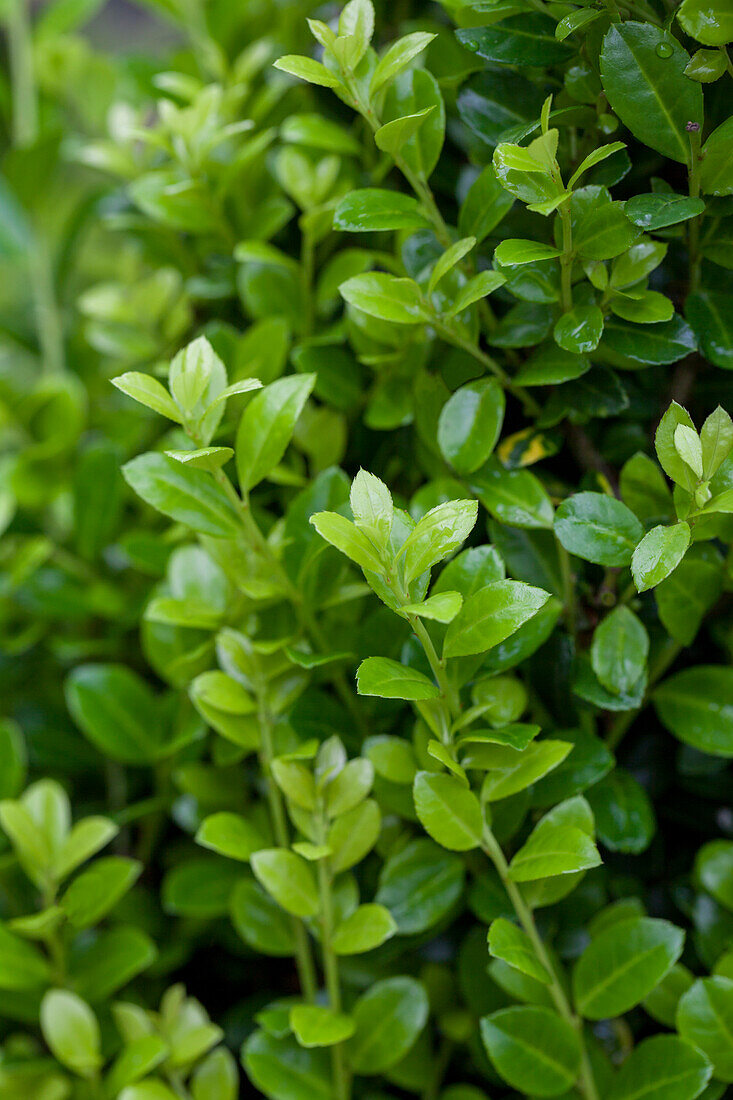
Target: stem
(493,850)
(568,587)
(48,319)
(566,260)
(331,973)
(455,338)
(22,76)
(262,547)
(303,955)
(306,267)
(693,230)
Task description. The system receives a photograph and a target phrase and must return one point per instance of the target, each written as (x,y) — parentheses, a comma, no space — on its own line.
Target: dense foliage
(367,511)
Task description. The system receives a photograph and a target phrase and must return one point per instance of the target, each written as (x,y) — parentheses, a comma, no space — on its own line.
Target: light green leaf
(514,947)
(230,835)
(658,554)
(366,928)
(288,879)
(386,297)
(490,615)
(448,811)
(390,680)
(318,1026)
(267,426)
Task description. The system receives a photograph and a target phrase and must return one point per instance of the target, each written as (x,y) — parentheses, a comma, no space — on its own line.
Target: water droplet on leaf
(664,50)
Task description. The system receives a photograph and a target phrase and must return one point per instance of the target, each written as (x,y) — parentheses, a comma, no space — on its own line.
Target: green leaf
(512,771)
(533,1049)
(662,1068)
(656,211)
(149,392)
(484,206)
(575,22)
(514,497)
(439,533)
(449,259)
(318,1026)
(669,458)
(579,330)
(288,879)
(491,615)
(371,505)
(598,528)
(643,74)
(186,495)
(420,884)
(267,426)
(86,838)
(709,22)
(96,891)
(283,1070)
(71,1030)
(349,539)
(689,592)
(137,1059)
(705,1019)
(206,458)
(22,966)
(623,811)
(259,921)
(448,811)
(658,554)
(153,1089)
(389,1018)
(475,290)
(527,39)
(397,56)
(600,227)
(391,137)
(514,947)
(441,606)
(716,437)
(666,342)
(709,314)
(117,711)
(619,650)
(689,448)
(305,68)
(550,851)
(216,1078)
(390,680)
(512,253)
(114,958)
(623,964)
(470,424)
(374,210)
(349,787)
(386,297)
(696,705)
(368,927)
(706,66)
(230,835)
(597,156)
(717,160)
(714,869)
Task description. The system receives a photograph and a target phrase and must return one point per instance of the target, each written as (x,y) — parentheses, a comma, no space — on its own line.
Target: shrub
(366,590)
